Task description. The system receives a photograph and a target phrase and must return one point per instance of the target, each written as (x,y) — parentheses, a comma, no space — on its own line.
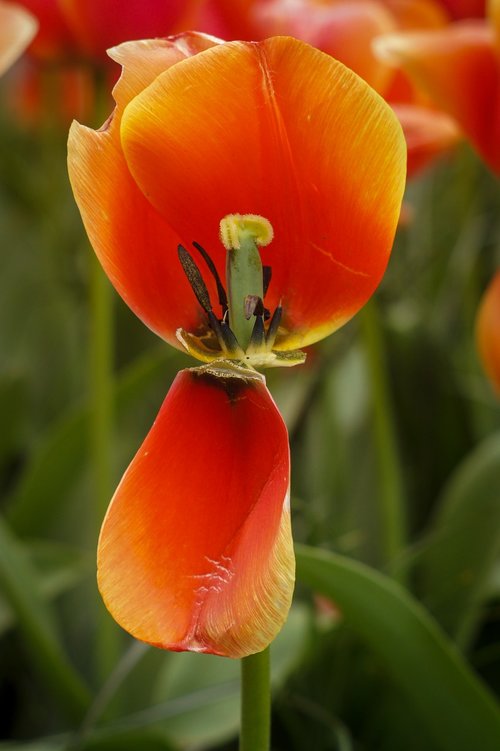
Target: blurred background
(394,421)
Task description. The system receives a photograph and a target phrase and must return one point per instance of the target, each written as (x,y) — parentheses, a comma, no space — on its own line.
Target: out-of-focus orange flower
(488,331)
(459,68)
(195,551)
(17,29)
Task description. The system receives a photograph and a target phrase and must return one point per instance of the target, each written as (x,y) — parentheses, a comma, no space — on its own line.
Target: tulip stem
(390,488)
(255,702)
(101,434)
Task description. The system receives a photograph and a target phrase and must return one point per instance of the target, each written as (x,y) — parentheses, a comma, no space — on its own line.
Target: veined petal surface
(282,130)
(195,552)
(133,242)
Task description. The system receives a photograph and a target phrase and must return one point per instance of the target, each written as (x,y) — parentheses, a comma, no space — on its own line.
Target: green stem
(101,433)
(255,702)
(390,490)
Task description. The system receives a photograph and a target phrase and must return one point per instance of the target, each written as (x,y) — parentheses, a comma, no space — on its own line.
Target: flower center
(246,328)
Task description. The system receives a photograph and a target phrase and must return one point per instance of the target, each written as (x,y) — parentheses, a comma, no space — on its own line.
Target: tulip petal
(17,29)
(429,134)
(135,245)
(195,552)
(459,68)
(281,130)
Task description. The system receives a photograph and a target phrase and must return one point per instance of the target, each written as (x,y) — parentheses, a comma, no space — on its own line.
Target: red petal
(195,552)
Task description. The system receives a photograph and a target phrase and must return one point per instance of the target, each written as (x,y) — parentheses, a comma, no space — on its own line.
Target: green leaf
(19,583)
(63,452)
(206,689)
(453,706)
(58,569)
(464,543)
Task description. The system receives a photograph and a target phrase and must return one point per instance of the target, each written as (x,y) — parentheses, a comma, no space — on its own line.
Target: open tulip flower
(17,29)
(243,199)
(459,68)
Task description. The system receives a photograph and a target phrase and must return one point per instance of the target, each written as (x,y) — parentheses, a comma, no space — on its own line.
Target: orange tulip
(459,68)
(17,29)
(195,551)
(488,331)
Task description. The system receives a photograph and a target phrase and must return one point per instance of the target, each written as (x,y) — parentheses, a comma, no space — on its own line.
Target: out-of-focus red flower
(195,551)
(488,331)
(73,29)
(17,29)
(464,8)
(459,68)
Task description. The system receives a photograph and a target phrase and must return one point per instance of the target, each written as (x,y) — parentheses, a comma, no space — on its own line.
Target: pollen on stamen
(234,227)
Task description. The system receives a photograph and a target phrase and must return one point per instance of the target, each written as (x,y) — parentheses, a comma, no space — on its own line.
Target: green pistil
(241,236)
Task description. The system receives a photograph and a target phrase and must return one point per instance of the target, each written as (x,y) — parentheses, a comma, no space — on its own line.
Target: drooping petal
(134,243)
(281,130)
(488,331)
(429,134)
(195,552)
(17,29)
(459,67)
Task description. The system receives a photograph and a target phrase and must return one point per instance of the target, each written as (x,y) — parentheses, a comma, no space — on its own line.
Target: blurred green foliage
(395,437)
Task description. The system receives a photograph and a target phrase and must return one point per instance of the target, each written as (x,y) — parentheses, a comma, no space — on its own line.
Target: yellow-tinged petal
(281,130)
